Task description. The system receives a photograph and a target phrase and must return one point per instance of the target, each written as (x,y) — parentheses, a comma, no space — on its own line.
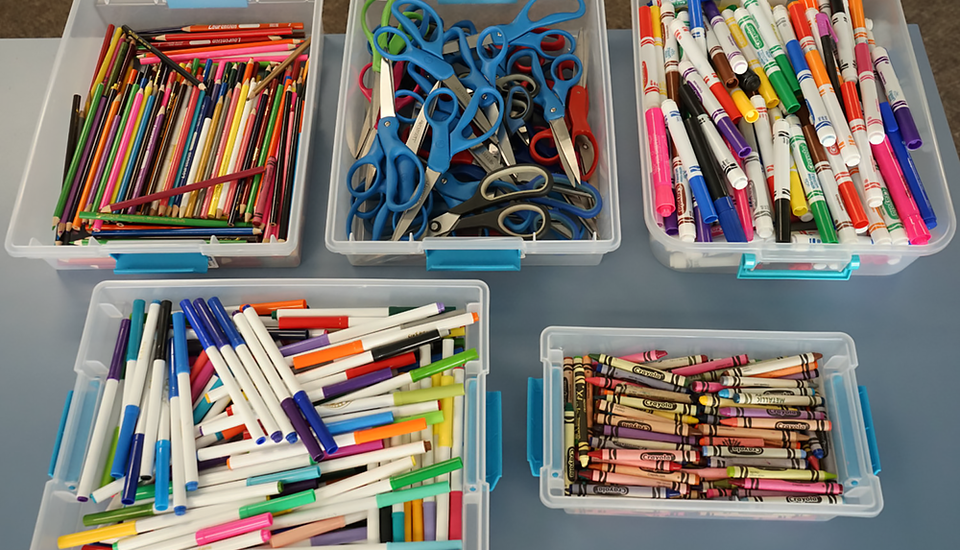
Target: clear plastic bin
(852,444)
(762,260)
(60,513)
(463,253)
(29,234)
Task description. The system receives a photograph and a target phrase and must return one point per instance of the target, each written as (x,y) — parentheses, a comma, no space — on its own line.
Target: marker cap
(427,472)
(226,323)
(444,364)
(136,330)
(206,316)
(278,504)
(196,323)
(181,357)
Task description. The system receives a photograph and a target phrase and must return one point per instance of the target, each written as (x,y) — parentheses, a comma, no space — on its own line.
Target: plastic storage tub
(463,253)
(854,450)
(29,234)
(762,260)
(60,513)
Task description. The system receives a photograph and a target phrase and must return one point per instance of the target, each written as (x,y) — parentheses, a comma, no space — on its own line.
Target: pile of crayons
(747,103)
(642,426)
(187,133)
(237,430)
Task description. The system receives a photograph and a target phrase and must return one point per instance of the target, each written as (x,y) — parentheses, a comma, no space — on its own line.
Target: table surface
(899,323)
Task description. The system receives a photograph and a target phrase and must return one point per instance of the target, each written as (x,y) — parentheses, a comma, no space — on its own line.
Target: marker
(415,375)
(653,116)
(766,27)
(671,53)
(811,185)
(734,57)
(908,167)
(846,232)
(868,85)
(691,166)
(92,462)
(779,80)
(162,465)
(781,179)
(394,399)
(695,11)
(699,59)
(899,190)
(717,115)
(414,340)
(155,393)
(135,385)
(293,386)
(375,325)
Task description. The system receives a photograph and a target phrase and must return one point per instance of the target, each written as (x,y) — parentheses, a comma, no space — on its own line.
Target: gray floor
(938,20)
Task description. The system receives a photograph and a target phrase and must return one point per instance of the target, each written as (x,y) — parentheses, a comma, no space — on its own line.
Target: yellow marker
(744,105)
(798,202)
(766,89)
(658,43)
(416,522)
(458,332)
(408,521)
(96,535)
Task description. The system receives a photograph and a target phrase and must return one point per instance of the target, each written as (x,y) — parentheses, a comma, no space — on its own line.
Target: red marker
(336,322)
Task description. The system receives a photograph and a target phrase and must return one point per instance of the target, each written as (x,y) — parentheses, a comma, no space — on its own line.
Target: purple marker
(342,536)
(631,433)
(670,224)
(304,346)
(717,113)
(703,228)
(350,385)
(891,84)
(92,464)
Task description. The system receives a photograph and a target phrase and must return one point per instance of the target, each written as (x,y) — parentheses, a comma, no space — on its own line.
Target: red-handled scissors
(578,108)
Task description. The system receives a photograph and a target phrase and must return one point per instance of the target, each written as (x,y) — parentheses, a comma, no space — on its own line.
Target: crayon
(678,476)
(753,452)
(768,435)
(570,446)
(653,465)
(624,376)
(753,472)
(641,370)
(633,433)
(568,380)
(778,424)
(792,463)
(645,454)
(580,409)
(782,400)
(797,499)
(654,405)
(820,487)
(771,413)
(666,427)
(624,479)
(624,443)
(627,491)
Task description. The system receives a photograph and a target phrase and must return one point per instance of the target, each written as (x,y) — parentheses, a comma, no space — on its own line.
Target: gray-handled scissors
(474,213)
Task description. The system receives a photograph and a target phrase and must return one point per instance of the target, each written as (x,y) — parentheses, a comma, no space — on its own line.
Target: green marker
(766,28)
(413,376)
(811,185)
(788,99)
(390,400)
(433,418)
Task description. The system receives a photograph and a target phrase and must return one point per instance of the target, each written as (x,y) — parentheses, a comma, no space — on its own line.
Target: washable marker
(206,332)
(896,98)
(178,458)
(712,173)
(691,166)
(293,386)
(319,391)
(766,28)
(759,83)
(697,31)
(136,380)
(671,52)
(376,325)
(720,62)
(653,115)
(734,57)
(92,462)
(341,322)
(162,468)
(717,115)
(405,411)
(811,185)
(868,85)
(778,78)
(781,179)
(394,399)
(826,133)
(413,376)
(300,428)
(276,421)
(836,202)
(155,393)
(908,167)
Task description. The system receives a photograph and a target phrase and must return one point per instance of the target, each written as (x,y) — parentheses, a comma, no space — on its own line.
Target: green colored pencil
(157,220)
(264,150)
(77,153)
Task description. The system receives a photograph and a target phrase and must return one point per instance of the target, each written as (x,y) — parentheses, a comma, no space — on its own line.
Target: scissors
(578,108)
(427,54)
(448,140)
(475,213)
(402,100)
(520,90)
(522,25)
(553,99)
(396,167)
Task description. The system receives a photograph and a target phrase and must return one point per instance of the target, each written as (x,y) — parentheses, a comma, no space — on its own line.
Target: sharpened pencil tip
(202,87)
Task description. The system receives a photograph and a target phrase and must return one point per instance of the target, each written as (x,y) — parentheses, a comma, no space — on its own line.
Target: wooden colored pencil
(283,65)
(163,57)
(180,190)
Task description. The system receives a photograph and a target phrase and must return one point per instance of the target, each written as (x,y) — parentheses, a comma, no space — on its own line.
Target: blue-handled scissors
(450,136)
(475,213)
(390,158)
(425,50)
(553,99)
(522,24)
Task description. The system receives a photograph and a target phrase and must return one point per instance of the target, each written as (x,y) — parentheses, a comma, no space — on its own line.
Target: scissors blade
(386,90)
(568,157)
(411,213)
(419,129)
(506,148)
(454,46)
(442,224)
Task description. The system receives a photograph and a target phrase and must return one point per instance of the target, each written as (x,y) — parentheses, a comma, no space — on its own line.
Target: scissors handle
(491,39)
(561,84)
(545,136)
(399,162)
(549,43)
(498,220)
(425,59)
(522,24)
(367,91)
(578,108)
(485,196)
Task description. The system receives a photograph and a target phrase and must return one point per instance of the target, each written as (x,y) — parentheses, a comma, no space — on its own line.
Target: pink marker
(124,143)
(644,356)
(234,528)
(660,170)
(913,224)
(716,364)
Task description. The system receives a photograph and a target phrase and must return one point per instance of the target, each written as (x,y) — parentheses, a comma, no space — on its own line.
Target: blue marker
(908,167)
(139,353)
(360,423)
(697,30)
(209,337)
(671,113)
(161,467)
(181,381)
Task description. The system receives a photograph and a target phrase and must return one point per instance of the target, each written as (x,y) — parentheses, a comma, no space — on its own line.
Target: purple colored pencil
(151,149)
(631,433)
(88,147)
(342,536)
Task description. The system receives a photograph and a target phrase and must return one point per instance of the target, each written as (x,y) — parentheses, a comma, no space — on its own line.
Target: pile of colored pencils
(187,133)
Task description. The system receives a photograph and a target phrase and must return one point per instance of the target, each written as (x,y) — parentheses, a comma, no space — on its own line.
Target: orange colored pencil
(97,157)
(218,48)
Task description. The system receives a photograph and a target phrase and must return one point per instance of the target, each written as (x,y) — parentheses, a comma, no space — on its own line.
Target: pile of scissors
(473,133)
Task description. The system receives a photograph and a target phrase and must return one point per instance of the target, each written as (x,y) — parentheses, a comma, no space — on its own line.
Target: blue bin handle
(56,444)
(473,260)
(160,263)
(535,425)
(868,428)
(748,263)
(494,438)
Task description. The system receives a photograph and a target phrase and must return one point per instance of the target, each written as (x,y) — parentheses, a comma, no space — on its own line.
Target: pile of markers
(473,133)
(279,423)
(186,133)
(771,123)
(642,426)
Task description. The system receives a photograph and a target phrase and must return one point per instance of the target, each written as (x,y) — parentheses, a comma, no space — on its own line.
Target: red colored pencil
(107,38)
(176,44)
(186,188)
(241,27)
(212,35)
